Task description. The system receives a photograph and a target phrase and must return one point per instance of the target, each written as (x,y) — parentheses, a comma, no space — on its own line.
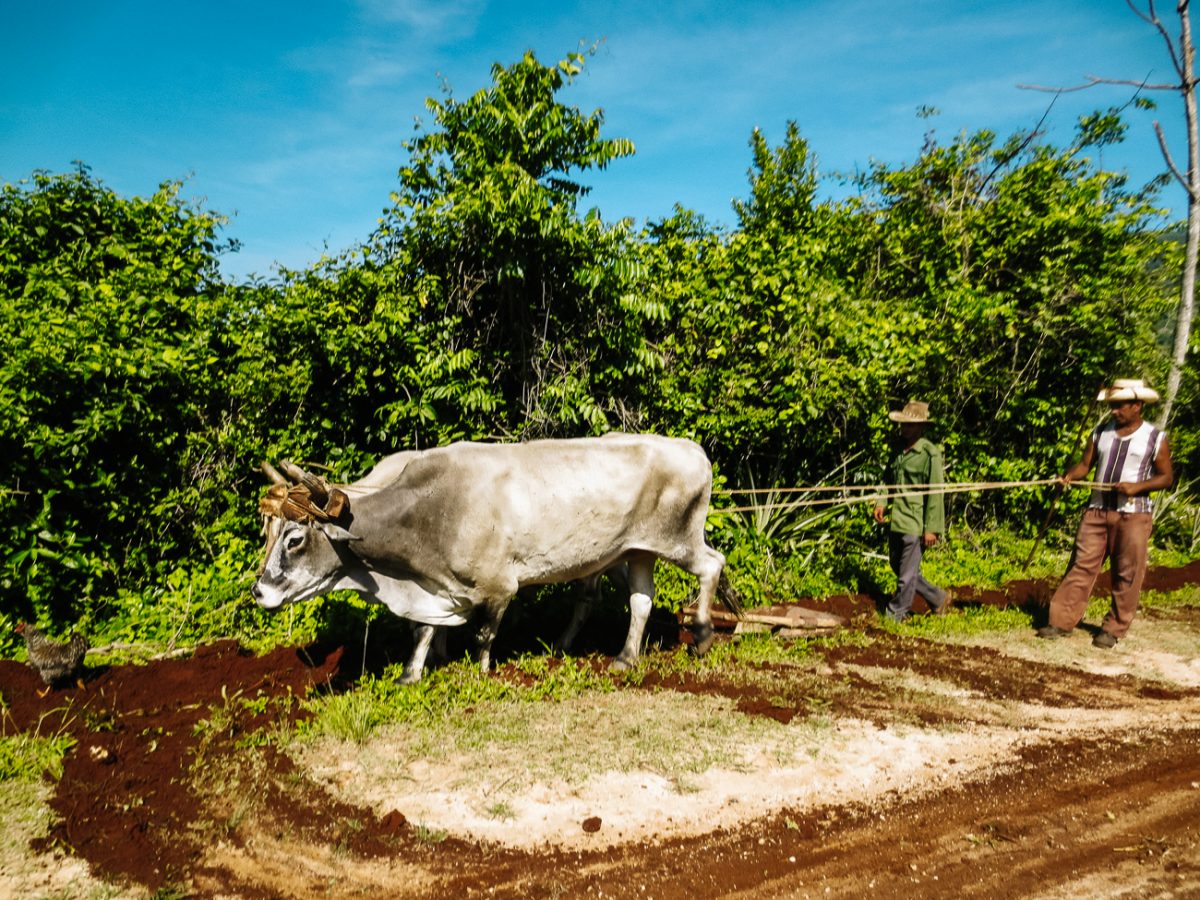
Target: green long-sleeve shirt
(921,464)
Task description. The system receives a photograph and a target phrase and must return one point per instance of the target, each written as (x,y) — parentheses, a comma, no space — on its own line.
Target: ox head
(304,551)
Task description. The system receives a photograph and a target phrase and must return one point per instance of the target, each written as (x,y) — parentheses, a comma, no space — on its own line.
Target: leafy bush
(103,361)
(1001,279)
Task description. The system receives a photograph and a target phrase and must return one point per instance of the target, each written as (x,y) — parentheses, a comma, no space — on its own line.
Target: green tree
(1003,281)
(1030,277)
(762,327)
(526,309)
(102,354)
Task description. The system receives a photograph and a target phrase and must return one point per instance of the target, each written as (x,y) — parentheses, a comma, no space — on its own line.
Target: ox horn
(317,486)
(272,473)
(310,500)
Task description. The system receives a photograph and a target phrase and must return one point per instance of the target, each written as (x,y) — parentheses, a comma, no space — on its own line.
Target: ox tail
(730,596)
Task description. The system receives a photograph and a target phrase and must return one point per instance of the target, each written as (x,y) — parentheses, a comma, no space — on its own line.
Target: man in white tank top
(1132,459)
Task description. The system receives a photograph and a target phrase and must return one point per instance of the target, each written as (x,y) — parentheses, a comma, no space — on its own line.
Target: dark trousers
(904,553)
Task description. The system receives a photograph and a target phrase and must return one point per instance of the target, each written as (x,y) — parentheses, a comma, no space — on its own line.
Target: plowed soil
(1045,769)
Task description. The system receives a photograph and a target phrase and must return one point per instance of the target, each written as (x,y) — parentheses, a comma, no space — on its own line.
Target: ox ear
(336,532)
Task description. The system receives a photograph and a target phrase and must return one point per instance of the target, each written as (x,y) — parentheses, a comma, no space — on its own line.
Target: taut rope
(884,492)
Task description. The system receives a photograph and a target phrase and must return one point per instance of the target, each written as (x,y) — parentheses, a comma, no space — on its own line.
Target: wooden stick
(797,619)
(1042,533)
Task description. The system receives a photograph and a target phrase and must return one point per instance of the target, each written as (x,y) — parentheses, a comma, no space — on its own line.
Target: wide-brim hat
(1128,389)
(914,411)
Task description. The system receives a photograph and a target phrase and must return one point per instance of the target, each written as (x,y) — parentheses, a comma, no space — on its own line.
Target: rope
(884,492)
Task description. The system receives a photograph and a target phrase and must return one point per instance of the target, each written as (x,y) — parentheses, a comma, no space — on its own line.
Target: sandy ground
(849,761)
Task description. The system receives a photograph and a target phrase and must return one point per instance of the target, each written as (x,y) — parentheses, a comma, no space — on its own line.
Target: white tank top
(1129,458)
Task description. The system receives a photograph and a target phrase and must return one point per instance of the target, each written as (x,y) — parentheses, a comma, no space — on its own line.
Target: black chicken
(56,661)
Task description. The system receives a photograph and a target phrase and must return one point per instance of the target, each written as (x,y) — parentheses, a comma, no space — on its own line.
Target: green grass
(532,678)
(964,622)
(32,756)
(505,747)
(502,811)
(352,716)
(443,691)
(969,621)
(26,757)
(540,704)
(1189,596)
(1186,596)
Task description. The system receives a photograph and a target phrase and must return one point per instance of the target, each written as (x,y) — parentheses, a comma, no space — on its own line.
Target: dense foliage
(104,358)
(1002,279)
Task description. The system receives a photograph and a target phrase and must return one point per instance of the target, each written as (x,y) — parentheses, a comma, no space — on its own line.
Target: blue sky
(289,117)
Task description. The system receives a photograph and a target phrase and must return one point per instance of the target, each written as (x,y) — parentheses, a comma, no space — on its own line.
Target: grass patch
(504,748)
(727,659)
(967,621)
(27,761)
(25,812)
(427,835)
(502,811)
(26,815)
(459,687)
(988,559)
(1184,597)
(25,757)
(1188,596)
(351,717)
(543,719)
(447,690)
(35,755)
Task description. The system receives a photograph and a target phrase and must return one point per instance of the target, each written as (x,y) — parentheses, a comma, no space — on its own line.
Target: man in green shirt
(918,517)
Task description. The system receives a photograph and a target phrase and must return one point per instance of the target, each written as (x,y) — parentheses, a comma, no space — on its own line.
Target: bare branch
(1153,19)
(1094,80)
(1037,130)
(1148,19)
(1162,145)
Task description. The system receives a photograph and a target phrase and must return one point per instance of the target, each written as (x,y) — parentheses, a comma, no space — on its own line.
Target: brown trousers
(1122,537)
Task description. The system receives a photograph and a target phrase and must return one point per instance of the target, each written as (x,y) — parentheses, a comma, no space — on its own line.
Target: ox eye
(294,541)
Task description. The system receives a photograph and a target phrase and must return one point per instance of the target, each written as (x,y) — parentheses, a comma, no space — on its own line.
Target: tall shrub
(100,357)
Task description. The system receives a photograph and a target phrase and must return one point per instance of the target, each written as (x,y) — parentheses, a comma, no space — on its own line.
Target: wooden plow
(786,622)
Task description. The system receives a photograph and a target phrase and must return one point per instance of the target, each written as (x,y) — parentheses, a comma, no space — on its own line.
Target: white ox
(461,527)
(426,636)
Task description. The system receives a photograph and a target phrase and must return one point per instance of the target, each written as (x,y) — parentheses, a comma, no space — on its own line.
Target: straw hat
(1128,389)
(914,411)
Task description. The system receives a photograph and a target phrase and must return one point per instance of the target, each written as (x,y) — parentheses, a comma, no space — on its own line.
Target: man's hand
(880,515)
(1128,488)
(929,539)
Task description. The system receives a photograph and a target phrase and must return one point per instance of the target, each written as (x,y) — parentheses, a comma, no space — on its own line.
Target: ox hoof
(704,636)
(620,665)
(409,677)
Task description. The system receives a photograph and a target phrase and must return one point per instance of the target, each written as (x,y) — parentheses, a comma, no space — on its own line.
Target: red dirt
(1025,593)
(132,801)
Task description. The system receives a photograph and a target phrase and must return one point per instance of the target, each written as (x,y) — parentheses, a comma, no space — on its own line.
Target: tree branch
(1153,19)
(1037,130)
(1162,145)
(1094,80)
(1150,19)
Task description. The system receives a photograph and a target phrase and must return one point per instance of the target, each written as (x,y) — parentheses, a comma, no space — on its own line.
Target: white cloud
(430,19)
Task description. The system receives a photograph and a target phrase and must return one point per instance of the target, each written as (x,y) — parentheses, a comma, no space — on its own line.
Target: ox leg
(487,633)
(440,654)
(422,637)
(641,597)
(707,568)
(586,599)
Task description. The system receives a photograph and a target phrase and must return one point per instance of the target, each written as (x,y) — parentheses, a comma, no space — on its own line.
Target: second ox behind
(467,525)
